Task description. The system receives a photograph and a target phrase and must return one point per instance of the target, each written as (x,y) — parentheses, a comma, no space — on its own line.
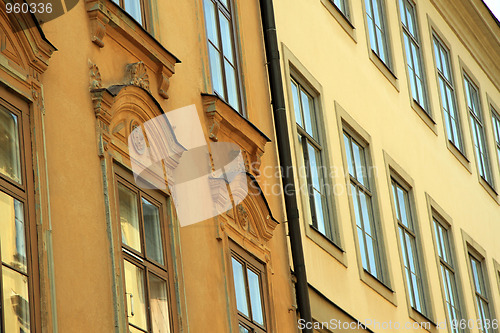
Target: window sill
(458,155)
(384,69)
(426,117)
(378,286)
(326,244)
(489,188)
(344,22)
(425,322)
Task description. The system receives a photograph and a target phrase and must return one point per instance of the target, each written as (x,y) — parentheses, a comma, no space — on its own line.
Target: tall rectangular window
(481,293)
(477,127)
(363,207)
(248,278)
(375,17)
(18,291)
(342,6)
(448,97)
(222,52)
(496,129)
(146,278)
(312,152)
(448,277)
(413,52)
(409,248)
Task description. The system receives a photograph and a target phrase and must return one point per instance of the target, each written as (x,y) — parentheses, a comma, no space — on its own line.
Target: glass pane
(133,7)
(307,108)
(314,166)
(15,301)
(402,207)
(243,330)
(296,104)
(10,160)
(216,70)
(227,41)
(12,237)
(349,155)
(255,297)
(159,305)
(154,244)
(129,218)
(359,159)
(239,287)
(135,296)
(320,212)
(232,85)
(210,22)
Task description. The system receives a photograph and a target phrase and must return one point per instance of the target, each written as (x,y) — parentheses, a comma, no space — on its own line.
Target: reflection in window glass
(12,236)
(133,7)
(482,297)
(154,246)
(10,160)
(239,286)
(496,129)
(135,296)
(410,253)
(255,297)
(15,301)
(342,6)
(158,300)
(129,218)
(363,209)
(375,17)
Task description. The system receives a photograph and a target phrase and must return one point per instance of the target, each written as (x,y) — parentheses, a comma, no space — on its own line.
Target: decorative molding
(164,82)
(242,216)
(102,100)
(138,75)
(95,76)
(227,125)
(99,19)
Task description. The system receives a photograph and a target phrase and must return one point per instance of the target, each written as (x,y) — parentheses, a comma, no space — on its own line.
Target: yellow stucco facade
(326,51)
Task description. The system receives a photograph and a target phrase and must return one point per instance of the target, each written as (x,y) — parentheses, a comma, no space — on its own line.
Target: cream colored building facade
(397,101)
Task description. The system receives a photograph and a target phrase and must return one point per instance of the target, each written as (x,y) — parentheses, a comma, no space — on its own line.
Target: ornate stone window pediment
(252,218)
(107,18)
(226,125)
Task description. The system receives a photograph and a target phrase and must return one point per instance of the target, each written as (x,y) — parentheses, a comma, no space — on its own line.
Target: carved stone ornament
(138,75)
(164,83)
(95,76)
(138,139)
(242,216)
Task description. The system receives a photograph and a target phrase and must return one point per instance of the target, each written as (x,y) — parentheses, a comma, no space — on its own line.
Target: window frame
(25,193)
(395,172)
(489,182)
(472,248)
(141,260)
(293,68)
(459,151)
(382,4)
(424,111)
(474,256)
(495,122)
(382,283)
(245,258)
(438,216)
(231,15)
(345,20)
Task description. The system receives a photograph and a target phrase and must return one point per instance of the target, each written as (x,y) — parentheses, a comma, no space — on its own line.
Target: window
(409,248)
(143,220)
(496,129)
(224,69)
(413,53)
(248,278)
(477,127)
(448,98)
(310,142)
(481,293)
(448,277)
(15,188)
(138,9)
(361,197)
(375,17)
(342,6)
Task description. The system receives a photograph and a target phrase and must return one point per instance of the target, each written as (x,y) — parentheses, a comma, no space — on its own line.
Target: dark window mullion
(309,138)
(361,187)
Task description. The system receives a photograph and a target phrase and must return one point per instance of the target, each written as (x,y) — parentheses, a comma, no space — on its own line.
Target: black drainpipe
(285,157)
